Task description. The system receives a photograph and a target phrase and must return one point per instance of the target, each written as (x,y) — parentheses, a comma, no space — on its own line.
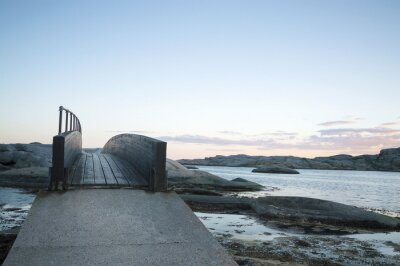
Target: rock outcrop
(25,165)
(386,160)
(298,211)
(323,211)
(275,170)
(24,155)
(181,177)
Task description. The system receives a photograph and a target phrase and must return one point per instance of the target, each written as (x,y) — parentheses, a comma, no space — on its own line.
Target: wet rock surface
(255,241)
(311,250)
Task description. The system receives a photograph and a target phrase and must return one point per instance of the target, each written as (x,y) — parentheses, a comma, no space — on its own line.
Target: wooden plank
(108,173)
(72,169)
(125,173)
(88,178)
(99,178)
(79,172)
(117,172)
(134,177)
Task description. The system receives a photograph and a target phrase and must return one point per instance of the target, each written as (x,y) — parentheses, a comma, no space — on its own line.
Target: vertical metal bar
(60,120)
(74,124)
(70,122)
(66,120)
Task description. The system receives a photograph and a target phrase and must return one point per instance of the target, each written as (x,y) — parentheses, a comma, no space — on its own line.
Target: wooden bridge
(127,160)
(111,208)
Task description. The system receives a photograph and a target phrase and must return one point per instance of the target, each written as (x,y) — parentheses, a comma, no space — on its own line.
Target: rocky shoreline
(386,160)
(320,222)
(296,243)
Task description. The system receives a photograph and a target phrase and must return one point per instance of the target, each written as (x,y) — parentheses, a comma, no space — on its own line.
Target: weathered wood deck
(99,169)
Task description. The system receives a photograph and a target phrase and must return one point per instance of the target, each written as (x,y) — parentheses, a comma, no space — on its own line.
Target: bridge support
(66,147)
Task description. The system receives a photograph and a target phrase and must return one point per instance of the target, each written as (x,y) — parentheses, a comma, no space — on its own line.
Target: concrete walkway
(114,227)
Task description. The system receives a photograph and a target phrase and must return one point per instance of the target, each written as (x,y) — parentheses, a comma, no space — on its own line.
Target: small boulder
(190,167)
(275,170)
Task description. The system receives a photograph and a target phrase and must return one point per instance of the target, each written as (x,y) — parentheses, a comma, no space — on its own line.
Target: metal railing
(72,125)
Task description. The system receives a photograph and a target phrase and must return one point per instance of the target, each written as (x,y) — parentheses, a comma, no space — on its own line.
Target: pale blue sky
(209,77)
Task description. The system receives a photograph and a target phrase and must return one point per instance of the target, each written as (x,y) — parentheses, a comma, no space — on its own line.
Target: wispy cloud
(351,140)
(393,123)
(198,139)
(353,117)
(130,131)
(280,133)
(228,132)
(336,123)
(352,131)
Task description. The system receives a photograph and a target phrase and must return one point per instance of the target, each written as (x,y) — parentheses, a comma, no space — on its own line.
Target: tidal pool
(250,229)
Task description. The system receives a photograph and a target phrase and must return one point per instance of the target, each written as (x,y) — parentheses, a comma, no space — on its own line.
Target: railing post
(70,122)
(66,120)
(60,120)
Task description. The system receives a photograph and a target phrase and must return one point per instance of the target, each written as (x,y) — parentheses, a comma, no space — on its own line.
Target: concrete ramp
(114,227)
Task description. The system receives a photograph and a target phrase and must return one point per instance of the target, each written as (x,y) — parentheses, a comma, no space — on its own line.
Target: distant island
(386,160)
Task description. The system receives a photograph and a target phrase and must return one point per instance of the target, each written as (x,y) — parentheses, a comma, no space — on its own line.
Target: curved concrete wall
(146,155)
(66,147)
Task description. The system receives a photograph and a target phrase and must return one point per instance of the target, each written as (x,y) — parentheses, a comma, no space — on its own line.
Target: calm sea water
(366,189)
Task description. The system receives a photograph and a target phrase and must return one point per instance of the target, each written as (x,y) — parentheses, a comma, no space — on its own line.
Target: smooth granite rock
(181,177)
(275,170)
(25,165)
(25,155)
(321,211)
(300,211)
